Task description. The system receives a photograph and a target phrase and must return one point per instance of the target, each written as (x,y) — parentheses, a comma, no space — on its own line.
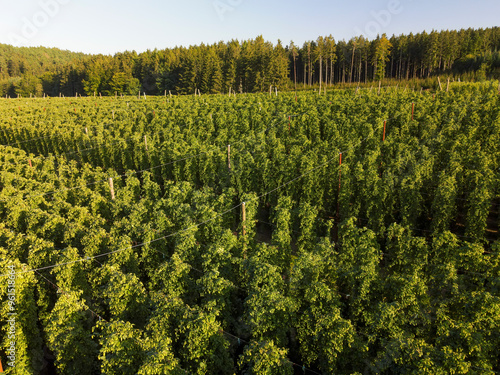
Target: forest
(253,65)
(353,232)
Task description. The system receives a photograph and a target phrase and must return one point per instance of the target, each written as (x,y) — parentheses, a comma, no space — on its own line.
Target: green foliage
(388,263)
(68,335)
(121,351)
(265,358)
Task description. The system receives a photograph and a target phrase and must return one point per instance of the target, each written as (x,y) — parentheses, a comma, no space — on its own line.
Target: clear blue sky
(109,26)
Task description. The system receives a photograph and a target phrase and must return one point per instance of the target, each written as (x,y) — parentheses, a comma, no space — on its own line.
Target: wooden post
(1,368)
(229,157)
(29,162)
(165,93)
(412,110)
(146,142)
(139,97)
(270,90)
(440,86)
(276,91)
(383,137)
(86,131)
(111,188)
(244,217)
(113,115)
(448,85)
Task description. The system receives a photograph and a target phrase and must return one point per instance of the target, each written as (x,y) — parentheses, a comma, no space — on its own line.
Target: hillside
(253,65)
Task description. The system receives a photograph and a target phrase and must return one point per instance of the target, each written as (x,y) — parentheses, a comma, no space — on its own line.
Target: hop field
(352,232)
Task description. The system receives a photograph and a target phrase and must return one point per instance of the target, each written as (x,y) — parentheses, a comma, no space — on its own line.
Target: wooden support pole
(440,86)
(244,217)
(86,131)
(111,188)
(229,157)
(379,87)
(146,142)
(29,162)
(383,137)
(139,96)
(448,85)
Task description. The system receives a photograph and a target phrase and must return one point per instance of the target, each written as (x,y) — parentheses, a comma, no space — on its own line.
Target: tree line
(252,65)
